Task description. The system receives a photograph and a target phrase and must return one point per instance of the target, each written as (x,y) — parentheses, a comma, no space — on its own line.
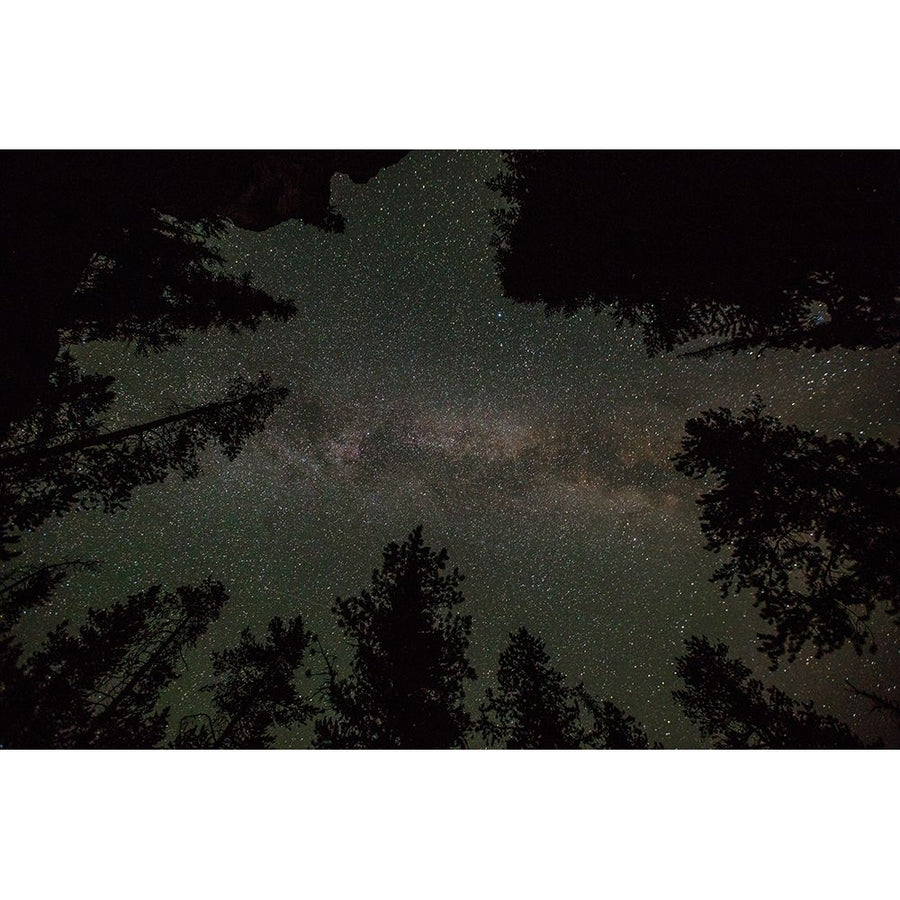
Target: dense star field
(536,448)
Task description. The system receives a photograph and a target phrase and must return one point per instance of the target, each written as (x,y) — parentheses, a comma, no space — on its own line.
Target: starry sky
(534,448)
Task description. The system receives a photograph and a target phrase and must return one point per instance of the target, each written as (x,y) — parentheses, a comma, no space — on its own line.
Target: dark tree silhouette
(810,525)
(737,711)
(83,223)
(613,728)
(99,685)
(147,284)
(61,457)
(26,588)
(879,702)
(406,686)
(159,278)
(87,256)
(23,590)
(753,248)
(254,691)
(534,709)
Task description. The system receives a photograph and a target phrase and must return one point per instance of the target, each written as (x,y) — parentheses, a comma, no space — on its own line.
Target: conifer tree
(736,711)
(533,708)
(406,685)
(254,691)
(61,457)
(99,685)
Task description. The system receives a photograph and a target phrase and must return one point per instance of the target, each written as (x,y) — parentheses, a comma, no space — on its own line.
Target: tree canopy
(115,244)
(809,525)
(255,691)
(159,278)
(752,249)
(62,456)
(99,685)
(737,711)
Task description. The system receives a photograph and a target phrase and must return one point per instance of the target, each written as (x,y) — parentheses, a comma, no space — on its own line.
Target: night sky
(534,448)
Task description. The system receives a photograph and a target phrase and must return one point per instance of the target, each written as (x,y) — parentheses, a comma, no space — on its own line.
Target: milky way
(535,449)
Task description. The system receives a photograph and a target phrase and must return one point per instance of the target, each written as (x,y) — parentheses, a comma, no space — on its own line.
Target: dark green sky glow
(535,449)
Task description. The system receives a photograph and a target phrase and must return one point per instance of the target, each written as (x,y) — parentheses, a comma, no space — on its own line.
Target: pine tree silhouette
(99,685)
(158,279)
(113,244)
(737,711)
(254,692)
(61,457)
(406,685)
(533,708)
